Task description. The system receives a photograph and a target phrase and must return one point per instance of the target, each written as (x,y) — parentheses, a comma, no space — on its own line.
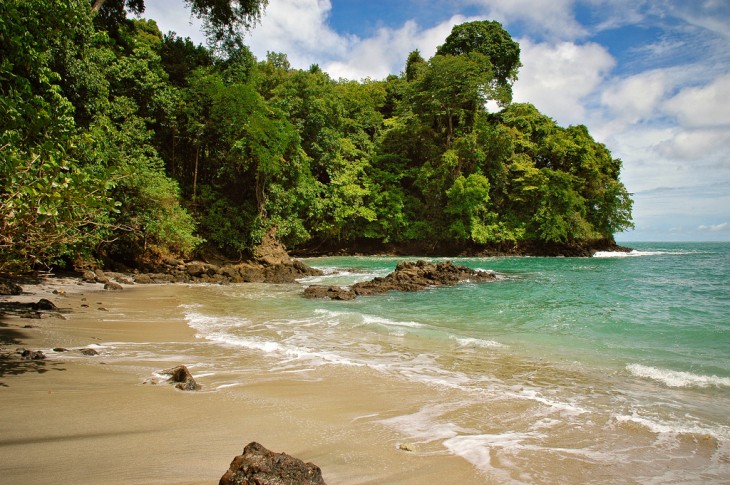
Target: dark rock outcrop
(408,276)
(142,279)
(32,355)
(9,288)
(331,292)
(182,378)
(113,286)
(271,252)
(44,304)
(249,272)
(88,276)
(259,466)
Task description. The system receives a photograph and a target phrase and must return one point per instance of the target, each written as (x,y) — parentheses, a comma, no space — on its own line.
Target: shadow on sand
(11,347)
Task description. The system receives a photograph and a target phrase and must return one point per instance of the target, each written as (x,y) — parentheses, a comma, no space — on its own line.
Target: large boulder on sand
(259,466)
(44,304)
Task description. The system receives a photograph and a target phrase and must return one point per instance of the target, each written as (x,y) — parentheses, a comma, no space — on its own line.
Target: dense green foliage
(109,129)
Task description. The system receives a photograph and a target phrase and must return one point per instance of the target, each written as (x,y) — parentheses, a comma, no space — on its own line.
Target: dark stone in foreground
(182,377)
(259,466)
(44,304)
(408,276)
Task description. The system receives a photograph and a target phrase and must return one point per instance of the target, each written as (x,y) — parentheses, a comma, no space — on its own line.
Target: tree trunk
(195,174)
(450,134)
(98,4)
(260,196)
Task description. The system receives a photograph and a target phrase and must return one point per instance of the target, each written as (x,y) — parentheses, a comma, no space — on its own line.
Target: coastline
(88,419)
(583,249)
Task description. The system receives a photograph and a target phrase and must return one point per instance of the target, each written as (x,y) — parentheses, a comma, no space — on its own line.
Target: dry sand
(94,419)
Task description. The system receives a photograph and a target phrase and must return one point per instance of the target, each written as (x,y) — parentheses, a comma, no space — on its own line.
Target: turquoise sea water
(664,305)
(621,361)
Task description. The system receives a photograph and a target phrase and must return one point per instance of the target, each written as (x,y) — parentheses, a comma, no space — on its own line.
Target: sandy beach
(73,418)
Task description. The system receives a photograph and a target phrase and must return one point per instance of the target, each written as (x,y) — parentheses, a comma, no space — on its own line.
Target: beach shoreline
(75,418)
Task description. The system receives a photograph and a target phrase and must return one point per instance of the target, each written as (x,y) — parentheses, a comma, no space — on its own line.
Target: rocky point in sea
(408,276)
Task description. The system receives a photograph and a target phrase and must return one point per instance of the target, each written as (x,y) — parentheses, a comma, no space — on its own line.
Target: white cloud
(705,106)
(722,227)
(554,19)
(702,147)
(173,15)
(299,29)
(712,15)
(637,97)
(386,52)
(557,78)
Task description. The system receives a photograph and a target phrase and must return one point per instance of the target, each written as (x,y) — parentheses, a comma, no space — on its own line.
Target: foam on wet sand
(73,418)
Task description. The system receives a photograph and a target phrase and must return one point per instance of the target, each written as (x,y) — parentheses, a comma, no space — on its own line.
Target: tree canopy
(117,141)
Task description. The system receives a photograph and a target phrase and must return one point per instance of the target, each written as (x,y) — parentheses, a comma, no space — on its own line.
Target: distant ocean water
(619,362)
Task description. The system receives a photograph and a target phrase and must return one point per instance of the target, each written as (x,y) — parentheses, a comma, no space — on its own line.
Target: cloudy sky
(650,79)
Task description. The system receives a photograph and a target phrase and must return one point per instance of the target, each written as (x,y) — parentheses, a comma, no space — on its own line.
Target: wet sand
(101,419)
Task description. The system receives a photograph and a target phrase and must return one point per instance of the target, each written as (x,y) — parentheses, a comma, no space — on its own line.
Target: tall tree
(490,39)
(451,90)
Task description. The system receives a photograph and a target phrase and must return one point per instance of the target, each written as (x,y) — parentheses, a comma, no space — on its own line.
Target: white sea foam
(206,324)
(674,378)
(225,386)
(477,342)
(370,319)
(685,426)
(425,426)
(334,276)
(288,353)
(636,253)
(563,407)
(491,272)
(330,313)
(355,317)
(428,425)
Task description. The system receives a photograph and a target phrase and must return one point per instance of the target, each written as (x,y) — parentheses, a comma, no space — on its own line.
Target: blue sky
(650,79)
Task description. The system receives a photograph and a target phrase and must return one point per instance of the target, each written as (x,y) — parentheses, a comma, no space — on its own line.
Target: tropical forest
(122,142)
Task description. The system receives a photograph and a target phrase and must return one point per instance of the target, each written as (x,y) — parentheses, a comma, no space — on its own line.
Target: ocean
(611,369)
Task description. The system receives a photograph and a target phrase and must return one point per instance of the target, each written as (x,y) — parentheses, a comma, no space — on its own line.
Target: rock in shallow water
(259,466)
(408,276)
(182,377)
(32,355)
